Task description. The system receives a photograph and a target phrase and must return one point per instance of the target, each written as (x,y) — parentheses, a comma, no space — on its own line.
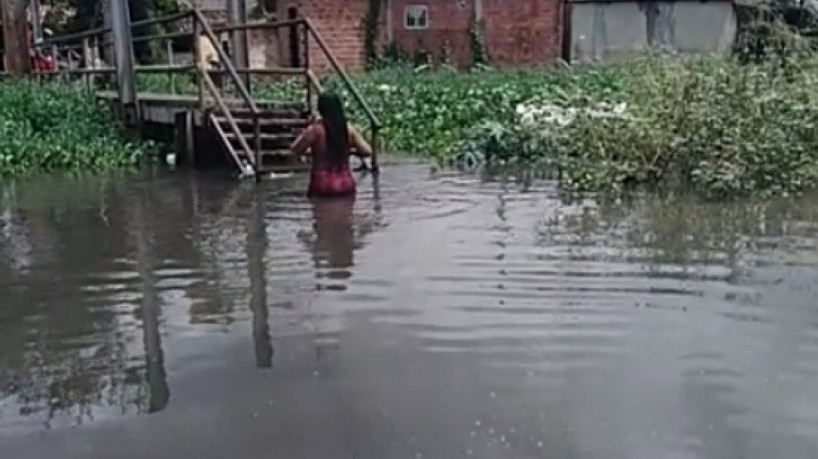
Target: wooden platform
(162,108)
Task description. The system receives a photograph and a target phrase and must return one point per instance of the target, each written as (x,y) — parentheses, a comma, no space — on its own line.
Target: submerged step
(294,122)
(264,136)
(272,112)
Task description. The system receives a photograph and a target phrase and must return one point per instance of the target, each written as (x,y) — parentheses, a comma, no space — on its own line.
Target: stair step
(283,122)
(273,153)
(267,104)
(250,137)
(272,112)
(293,167)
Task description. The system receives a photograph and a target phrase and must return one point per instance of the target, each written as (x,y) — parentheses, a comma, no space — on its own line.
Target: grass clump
(56,128)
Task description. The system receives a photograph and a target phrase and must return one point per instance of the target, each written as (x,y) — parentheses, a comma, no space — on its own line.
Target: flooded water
(440,316)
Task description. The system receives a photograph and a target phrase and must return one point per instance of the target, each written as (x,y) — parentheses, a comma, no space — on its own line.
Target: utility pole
(237,15)
(16,52)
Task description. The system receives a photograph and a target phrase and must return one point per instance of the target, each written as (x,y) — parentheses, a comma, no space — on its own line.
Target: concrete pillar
(36,20)
(16,52)
(390,26)
(237,14)
(124,59)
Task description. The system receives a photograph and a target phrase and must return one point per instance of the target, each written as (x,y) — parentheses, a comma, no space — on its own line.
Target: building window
(417,17)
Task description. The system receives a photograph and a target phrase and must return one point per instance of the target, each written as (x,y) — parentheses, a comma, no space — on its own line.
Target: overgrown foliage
(428,113)
(50,127)
(702,123)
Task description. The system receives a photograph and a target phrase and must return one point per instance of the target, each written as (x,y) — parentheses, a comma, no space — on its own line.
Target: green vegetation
(50,128)
(712,125)
(708,124)
(429,112)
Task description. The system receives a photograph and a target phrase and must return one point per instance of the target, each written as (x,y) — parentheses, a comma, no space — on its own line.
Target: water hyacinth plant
(52,127)
(702,123)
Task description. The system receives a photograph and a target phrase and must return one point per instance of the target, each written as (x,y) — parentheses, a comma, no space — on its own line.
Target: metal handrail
(162,36)
(374,122)
(73,37)
(314,81)
(341,73)
(225,61)
(200,24)
(173,17)
(164,68)
(255,25)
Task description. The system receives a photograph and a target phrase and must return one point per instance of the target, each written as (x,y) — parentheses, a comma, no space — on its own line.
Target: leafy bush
(706,123)
(52,127)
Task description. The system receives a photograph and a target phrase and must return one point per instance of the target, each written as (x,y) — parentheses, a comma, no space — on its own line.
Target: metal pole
(87,61)
(169,47)
(237,14)
(197,58)
(123,51)
(307,80)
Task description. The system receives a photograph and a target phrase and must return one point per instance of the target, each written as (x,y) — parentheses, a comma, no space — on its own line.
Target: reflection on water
(436,315)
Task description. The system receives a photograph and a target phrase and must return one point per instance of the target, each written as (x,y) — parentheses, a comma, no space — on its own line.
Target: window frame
(424,8)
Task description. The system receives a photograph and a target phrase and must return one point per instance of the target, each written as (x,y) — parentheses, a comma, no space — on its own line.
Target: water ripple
(593,328)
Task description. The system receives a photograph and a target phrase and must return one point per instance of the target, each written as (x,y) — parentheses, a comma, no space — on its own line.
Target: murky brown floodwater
(443,316)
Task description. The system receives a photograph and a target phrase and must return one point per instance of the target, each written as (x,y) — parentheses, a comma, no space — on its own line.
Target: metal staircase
(257,137)
(255,134)
(279,126)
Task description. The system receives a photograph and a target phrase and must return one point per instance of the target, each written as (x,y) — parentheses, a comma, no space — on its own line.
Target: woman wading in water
(330,141)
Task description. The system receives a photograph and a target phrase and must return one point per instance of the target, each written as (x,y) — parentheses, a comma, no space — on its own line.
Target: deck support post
(123,53)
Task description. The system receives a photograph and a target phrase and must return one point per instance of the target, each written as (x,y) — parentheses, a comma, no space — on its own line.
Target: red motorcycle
(40,61)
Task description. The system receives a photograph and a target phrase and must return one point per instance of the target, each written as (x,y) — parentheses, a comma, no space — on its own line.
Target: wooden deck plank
(186,99)
(165,98)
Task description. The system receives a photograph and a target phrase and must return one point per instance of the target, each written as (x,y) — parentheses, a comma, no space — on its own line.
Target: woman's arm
(303,142)
(360,146)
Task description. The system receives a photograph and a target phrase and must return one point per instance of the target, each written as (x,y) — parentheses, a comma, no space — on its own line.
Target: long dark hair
(335,127)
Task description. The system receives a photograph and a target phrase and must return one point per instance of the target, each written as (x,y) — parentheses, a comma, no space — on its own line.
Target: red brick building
(515,32)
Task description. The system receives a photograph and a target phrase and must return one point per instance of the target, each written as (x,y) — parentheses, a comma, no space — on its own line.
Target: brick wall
(340,24)
(517,32)
(448,22)
(530,32)
(264,45)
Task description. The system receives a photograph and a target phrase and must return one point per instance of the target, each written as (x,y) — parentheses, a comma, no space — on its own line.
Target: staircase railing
(309,33)
(374,122)
(254,155)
